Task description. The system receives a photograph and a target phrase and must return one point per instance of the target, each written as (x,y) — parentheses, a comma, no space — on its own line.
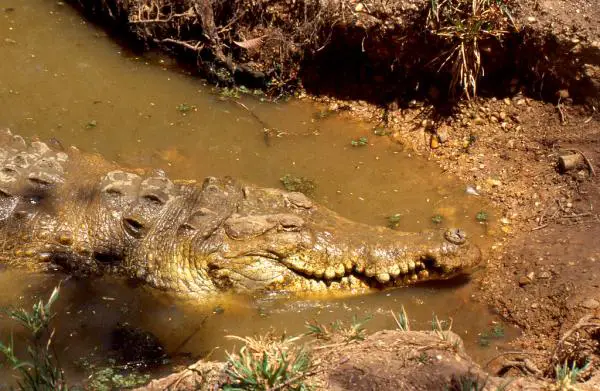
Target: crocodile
(80,213)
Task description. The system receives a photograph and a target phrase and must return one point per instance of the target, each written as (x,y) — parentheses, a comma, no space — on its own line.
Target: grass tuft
(402,319)
(298,183)
(268,364)
(356,331)
(465,24)
(566,376)
(42,371)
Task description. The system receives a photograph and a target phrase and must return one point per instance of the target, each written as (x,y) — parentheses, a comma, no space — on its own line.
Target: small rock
(479,121)
(535,305)
(435,143)
(531,19)
(442,135)
(544,275)
(502,115)
(359,7)
(590,304)
(471,190)
(493,182)
(531,275)
(9,40)
(504,221)
(524,280)
(563,94)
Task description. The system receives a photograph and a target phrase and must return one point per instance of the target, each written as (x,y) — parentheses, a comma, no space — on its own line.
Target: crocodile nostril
(133,226)
(455,236)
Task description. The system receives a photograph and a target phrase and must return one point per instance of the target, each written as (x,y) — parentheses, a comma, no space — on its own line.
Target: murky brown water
(64,79)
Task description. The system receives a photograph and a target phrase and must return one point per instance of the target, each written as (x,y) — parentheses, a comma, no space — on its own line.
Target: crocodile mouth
(287,273)
(356,280)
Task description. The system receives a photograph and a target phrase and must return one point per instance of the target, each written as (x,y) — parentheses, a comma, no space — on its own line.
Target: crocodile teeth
(370,272)
(403,268)
(411,265)
(383,277)
(329,273)
(340,270)
(394,271)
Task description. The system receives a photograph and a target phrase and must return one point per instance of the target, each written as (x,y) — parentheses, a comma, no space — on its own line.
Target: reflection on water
(66,81)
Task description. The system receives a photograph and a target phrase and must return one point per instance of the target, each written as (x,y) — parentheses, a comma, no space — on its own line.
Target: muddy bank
(387,360)
(379,51)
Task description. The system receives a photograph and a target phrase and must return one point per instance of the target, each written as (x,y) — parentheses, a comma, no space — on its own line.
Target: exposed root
(591,321)
(391,50)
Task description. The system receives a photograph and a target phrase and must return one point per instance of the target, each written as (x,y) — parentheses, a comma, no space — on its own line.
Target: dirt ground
(386,360)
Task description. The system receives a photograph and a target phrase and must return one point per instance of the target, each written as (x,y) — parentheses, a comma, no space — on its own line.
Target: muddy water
(64,80)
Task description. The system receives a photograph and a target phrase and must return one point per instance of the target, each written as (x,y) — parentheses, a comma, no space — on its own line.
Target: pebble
(442,135)
(563,94)
(493,182)
(524,280)
(531,19)
(478,121)
(545,275)
(590,304)
(471,190)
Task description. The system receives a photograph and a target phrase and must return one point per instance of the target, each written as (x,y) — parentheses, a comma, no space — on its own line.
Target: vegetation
(111,377)
(467,382)
(437,219)
(481,216)
(268,364)
(184,108)
(360,142)
(42,372)
(495,332)
(298,183)
(402,320)
(354,332)
(566,376)
(394,220)
(465,24)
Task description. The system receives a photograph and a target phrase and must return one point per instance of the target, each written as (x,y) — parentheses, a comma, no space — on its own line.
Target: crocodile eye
(134,227)
(153,199)
(113,191)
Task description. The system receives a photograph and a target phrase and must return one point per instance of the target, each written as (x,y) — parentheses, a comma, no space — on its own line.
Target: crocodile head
(80,212)
(198,239)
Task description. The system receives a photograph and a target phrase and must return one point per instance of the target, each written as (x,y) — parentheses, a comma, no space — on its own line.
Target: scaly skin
(87,215)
